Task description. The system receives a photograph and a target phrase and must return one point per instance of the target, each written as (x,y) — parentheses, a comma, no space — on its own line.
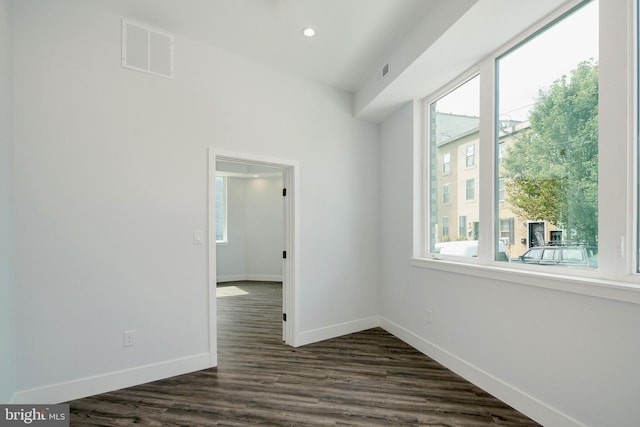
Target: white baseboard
(83,387)
(252,277)
(321,334)
(518,399)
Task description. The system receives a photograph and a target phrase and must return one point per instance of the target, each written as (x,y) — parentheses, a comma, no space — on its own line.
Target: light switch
(198,237)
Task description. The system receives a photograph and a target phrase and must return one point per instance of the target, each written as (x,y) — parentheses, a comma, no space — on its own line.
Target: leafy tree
(551,170)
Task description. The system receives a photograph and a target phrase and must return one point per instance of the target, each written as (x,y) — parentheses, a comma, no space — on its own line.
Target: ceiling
(351,35)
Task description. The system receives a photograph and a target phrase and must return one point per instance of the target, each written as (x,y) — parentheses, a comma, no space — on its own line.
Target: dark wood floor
(365,379)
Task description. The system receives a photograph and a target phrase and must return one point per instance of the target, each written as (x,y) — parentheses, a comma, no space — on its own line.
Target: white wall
(264,225)
(560,357)
(111,182)
(7,286)
(255,228)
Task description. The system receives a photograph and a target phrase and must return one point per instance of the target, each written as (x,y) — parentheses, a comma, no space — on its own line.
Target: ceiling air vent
(147,50)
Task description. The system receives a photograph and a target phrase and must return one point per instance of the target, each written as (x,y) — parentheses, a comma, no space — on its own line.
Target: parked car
(568,256)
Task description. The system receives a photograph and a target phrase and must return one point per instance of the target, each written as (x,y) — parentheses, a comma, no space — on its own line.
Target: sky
(533,65)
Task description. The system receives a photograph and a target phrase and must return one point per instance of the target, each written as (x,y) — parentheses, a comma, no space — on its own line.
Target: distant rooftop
(450,127)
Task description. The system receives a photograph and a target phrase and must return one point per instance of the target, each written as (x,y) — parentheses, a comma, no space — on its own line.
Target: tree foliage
(551,170)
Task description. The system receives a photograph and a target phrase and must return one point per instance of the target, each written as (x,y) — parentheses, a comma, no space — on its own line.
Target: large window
(221,209)
(547,135)
(453,137)
(541,188)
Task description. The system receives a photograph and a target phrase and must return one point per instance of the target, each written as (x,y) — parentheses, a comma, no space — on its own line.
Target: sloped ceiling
(350,34)
(424,43)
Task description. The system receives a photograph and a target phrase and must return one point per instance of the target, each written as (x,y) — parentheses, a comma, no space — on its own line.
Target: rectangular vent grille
(147,50)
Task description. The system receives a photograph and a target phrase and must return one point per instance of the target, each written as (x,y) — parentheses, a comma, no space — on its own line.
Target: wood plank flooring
(365,379)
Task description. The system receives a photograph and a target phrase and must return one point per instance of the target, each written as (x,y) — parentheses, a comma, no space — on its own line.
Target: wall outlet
(128,338)
(429,316)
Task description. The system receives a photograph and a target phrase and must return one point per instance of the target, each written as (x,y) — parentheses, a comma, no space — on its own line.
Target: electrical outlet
(429,316)
(128,338)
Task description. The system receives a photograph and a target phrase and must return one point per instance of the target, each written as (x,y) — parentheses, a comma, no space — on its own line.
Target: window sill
(591,286)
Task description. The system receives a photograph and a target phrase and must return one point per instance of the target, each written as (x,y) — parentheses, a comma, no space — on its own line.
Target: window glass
(452,141)
(470,189)
(547,135)
(445,226)
(221,209)
(446,193)
(471,155)
(446,163)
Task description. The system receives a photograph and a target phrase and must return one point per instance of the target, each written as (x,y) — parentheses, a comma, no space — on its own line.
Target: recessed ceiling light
(308,32)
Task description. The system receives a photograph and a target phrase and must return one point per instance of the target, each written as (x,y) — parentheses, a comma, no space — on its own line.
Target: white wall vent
(147,50)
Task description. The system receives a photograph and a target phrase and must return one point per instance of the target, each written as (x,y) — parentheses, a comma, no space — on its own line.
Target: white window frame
(616,277)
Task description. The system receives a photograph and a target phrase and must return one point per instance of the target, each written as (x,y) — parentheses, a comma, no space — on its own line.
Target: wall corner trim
(337,330)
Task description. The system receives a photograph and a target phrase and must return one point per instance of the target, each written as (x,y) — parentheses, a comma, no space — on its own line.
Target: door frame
(290,270)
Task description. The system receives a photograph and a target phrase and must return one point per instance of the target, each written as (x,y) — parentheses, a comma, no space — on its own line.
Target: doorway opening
(262,245)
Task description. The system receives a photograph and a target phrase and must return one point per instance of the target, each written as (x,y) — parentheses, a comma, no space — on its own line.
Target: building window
(507,227)
(453,127)
(470,189)
(446,163)
(547,129)
(446,193)
(462,227)
(445,229)
(470,155)
(221,209)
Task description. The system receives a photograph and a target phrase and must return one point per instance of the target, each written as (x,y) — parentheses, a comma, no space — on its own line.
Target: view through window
(453,144)
(547,136)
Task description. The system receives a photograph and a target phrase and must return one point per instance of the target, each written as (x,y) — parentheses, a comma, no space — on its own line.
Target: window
(506,231)
(462,227)
(470,156)
(221,209)
(545,144)
(445,229)
(547,130)
(470,190)
(446,163)
(446,193)
(453,134)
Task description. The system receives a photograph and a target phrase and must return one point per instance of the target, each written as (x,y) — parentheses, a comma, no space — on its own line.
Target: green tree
(551,170)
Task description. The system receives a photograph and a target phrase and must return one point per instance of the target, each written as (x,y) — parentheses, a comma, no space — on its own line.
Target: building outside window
(446,163)
(470,155)
(470,191)
(462,227)
(445,229)
(446,193)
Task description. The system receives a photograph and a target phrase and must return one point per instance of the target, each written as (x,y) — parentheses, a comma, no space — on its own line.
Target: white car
(468,248)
